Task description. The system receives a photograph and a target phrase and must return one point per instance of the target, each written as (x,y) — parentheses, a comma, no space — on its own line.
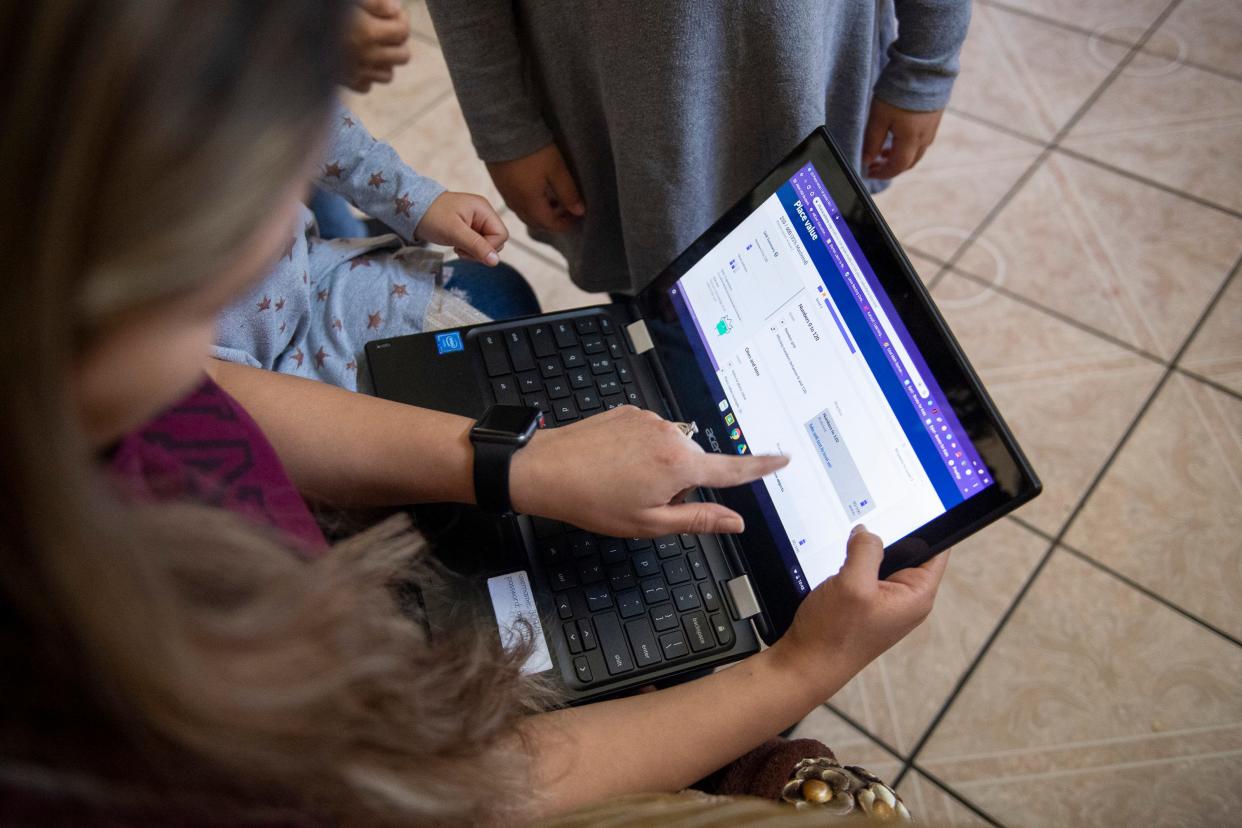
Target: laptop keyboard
(630,604)
(624,606)
(569,369)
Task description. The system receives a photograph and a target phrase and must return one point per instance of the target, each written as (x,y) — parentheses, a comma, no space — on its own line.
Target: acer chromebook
(794,325)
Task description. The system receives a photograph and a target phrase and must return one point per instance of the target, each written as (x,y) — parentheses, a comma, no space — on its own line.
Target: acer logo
(711,439)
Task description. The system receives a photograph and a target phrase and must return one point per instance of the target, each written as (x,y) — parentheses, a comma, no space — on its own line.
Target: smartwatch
(497,435)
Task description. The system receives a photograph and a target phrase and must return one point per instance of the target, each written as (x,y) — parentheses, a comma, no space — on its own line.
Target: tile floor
(1079,221)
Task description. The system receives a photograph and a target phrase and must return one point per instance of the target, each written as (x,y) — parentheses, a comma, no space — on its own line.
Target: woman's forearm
(351,449)
(667,739)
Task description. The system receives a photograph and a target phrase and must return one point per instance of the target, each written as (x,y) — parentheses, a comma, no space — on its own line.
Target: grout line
(1116,41)
(1043,562)
(1224,389)
(1160,599)
(988,122)
(424,37)
(1030,527)
(852,722)
(959,798)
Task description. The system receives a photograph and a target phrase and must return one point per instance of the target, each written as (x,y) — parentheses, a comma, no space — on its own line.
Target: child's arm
(914,87)
(665,740)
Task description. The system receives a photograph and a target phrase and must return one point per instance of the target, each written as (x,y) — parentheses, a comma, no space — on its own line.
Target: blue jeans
(500,292)
(336,220)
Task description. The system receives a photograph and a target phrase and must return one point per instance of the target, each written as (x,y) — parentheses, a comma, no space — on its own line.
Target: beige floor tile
(1169,512)
(850,746)
(897,696)
(420,19)
(1216,352)
(438,145)
(935,207)
(1067,394)
(1171,123)
(930,805)
(1028,75)
(1097,706)
(1125,19)
(550,281)
(388,108)
(1117,255)
(1207,32)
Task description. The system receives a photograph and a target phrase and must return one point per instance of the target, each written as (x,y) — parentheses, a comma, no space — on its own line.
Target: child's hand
(540,189)
(854,616)
(468,224)
(912,134)
(375,43)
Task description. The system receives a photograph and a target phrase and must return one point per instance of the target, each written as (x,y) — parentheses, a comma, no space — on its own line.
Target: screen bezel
(1015,482)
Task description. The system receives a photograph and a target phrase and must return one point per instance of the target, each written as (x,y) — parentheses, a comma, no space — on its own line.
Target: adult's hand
(540,189)
(854,615)
(912,134)
(375,43)
(624,472)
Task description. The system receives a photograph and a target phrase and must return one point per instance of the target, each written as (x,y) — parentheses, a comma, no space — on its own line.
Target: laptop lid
(796,325)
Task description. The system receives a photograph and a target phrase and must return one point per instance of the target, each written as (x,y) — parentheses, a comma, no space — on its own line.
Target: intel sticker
(448,342)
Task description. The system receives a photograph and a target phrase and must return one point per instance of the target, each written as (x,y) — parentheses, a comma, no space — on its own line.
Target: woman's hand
(467,223)
(540,189)
(375,43)
(912,134)
(624,472)
(854,616)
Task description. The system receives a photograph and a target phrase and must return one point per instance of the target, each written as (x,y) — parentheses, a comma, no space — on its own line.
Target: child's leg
(335,219)
(500,292)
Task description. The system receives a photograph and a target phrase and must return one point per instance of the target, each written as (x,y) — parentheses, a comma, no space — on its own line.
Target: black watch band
(491,476)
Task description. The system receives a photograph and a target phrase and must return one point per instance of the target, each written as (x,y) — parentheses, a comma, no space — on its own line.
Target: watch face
(507,424)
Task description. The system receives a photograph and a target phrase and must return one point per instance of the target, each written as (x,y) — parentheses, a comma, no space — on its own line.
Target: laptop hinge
(743,596)
(640,337)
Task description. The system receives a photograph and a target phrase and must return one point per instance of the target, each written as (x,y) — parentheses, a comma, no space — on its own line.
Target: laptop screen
(805,355)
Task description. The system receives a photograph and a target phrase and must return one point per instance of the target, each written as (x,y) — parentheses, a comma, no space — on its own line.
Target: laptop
(794,325)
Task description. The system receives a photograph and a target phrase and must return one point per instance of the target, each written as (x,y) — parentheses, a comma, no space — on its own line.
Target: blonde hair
(173,660)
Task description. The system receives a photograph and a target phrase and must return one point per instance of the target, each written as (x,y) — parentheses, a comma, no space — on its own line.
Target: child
(620,134)
(180,646)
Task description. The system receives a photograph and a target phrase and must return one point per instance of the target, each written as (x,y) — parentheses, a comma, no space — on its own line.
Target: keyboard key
(615,349)
(573,358)
(613,402)
(588,400)
(572,637)
(529,383)
(698,564)
(612,550)
(686,597)
(676,571)
(608,385)
(519,349)
(582,670)
(663,617)
(550,367)
(552,550)
(591,571)
(598,597)
(541,337)
(581,378)
(562,576)
(623,371)
(698,632)
(620,576)
(506,393)
(582,544)
(673,645)
(594,344)
(557,388)
(586,633)
(722,628)
(494,356)
(711,597)
(564,410)
(600,364)
(564,608)
(667,546)
(688,541)
(635,544)
(587,325)
(633,397)
(612,644)
(564,334)
(646,563)
(605,325)
(629,603)
(643,640)
(539,401)
(654,590)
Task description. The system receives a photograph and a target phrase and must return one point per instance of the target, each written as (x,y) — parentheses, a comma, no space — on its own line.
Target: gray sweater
(669,111)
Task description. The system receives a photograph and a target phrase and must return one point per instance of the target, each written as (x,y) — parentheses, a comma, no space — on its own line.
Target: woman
(179,644)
